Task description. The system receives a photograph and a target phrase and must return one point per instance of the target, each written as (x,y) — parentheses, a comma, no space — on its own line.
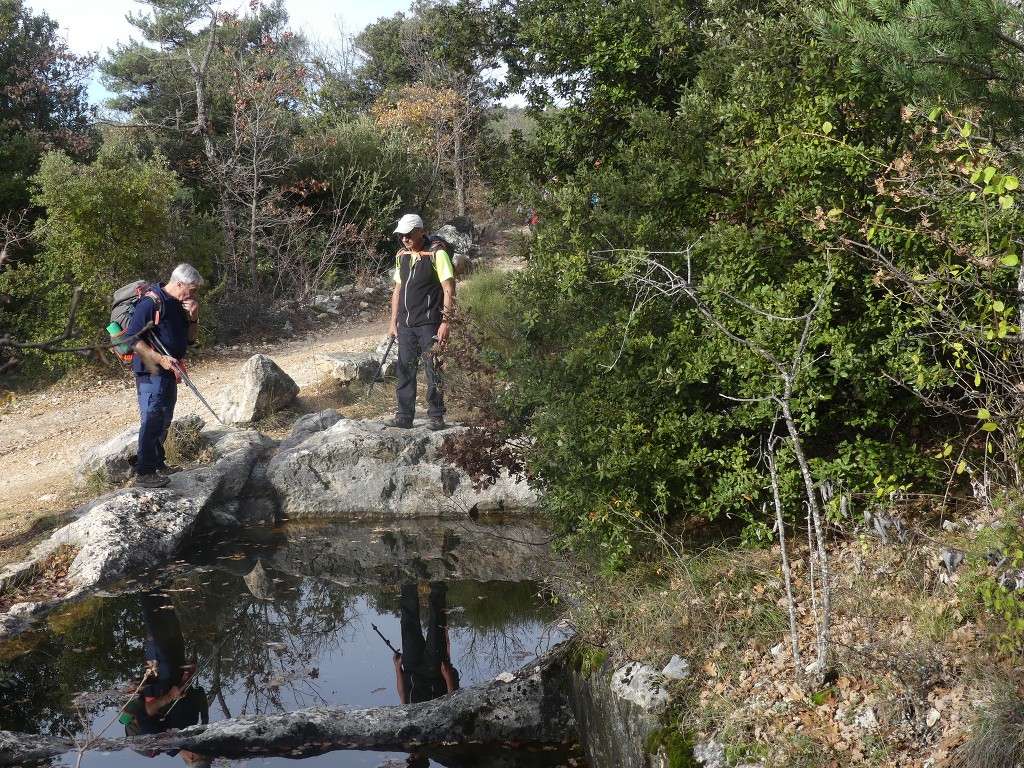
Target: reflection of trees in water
(267,664)
(257,652)
(497,626)
(260,654)
(493,624)
(80,648)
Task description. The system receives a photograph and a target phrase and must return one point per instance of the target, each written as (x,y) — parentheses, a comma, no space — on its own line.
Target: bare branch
(652,278)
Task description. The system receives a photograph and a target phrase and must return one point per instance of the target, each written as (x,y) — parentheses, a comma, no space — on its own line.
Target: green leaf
(1005,202)
(1011,183)
(998,306)
(961,467)
(984,414)
(826,127)
(965,131)
(990,426)
(1010,260)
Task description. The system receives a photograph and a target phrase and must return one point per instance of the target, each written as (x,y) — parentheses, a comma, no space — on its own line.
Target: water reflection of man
(424,668)
(167,700)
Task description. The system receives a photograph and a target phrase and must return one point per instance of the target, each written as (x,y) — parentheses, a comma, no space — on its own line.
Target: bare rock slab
(366,469)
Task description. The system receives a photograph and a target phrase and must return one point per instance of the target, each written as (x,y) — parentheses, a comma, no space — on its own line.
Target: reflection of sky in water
(312,645)
(337,759)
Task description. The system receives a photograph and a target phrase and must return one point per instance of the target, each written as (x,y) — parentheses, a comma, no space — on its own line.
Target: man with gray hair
(173,311)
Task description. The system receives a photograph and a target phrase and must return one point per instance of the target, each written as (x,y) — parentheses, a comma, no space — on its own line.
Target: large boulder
(114,460)
(262,389)
(617,709)
(309,424)
(466,251)
(366,469)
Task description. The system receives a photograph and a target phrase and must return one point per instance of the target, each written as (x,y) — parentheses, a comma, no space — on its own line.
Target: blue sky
(93,26)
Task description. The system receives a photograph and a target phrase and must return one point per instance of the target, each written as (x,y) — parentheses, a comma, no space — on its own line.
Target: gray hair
(187,274)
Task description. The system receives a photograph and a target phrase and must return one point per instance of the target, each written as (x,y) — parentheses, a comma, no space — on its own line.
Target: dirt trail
(44,435)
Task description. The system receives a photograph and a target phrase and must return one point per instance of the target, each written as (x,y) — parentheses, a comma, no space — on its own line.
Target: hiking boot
(151,480)
(399,422)
(168,469)
(436,423)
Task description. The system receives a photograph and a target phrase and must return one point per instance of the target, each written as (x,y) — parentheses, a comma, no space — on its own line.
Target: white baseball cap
(408,223)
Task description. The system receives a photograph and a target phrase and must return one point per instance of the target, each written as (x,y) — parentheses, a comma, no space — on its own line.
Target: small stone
(866,720)
(677,668)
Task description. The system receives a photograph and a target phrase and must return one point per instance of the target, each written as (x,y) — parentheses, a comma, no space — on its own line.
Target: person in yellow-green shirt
(421,303)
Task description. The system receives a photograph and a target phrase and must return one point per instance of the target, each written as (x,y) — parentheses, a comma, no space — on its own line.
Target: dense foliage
(761,227)
(105,220)
(725,228)
(288,174)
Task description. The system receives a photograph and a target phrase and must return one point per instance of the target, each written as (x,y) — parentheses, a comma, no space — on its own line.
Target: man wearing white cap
(424,295)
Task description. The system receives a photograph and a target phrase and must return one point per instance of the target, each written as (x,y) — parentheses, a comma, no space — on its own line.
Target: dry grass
(913,673)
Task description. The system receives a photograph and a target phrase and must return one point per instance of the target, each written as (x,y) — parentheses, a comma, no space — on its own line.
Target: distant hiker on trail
(424,295)
(174,311)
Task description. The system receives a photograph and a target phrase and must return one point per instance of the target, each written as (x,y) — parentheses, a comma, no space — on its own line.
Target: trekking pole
(199,668)
(373,381)
(180,370)
(386,641)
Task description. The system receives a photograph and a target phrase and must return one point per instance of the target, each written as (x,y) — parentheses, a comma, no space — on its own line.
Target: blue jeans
(157,398)
(412,343)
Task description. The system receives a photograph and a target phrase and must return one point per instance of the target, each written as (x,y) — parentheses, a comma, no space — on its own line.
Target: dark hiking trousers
(413,343)
(157,398)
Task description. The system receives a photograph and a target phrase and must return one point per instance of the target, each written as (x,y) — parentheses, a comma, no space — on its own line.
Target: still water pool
(305,615)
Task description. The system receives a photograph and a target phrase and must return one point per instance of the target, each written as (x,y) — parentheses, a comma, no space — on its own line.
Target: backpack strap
(157,302)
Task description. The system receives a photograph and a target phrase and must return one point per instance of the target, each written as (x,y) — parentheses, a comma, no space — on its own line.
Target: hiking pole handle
(180,370)
(373,381)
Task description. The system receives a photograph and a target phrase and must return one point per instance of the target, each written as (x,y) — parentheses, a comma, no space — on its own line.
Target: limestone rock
(366,469)
(262,388)
(309,424)
(526,709)
(131,529)
(616,719)
(115,459)
(346,366)
(677,668)
(640,684)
